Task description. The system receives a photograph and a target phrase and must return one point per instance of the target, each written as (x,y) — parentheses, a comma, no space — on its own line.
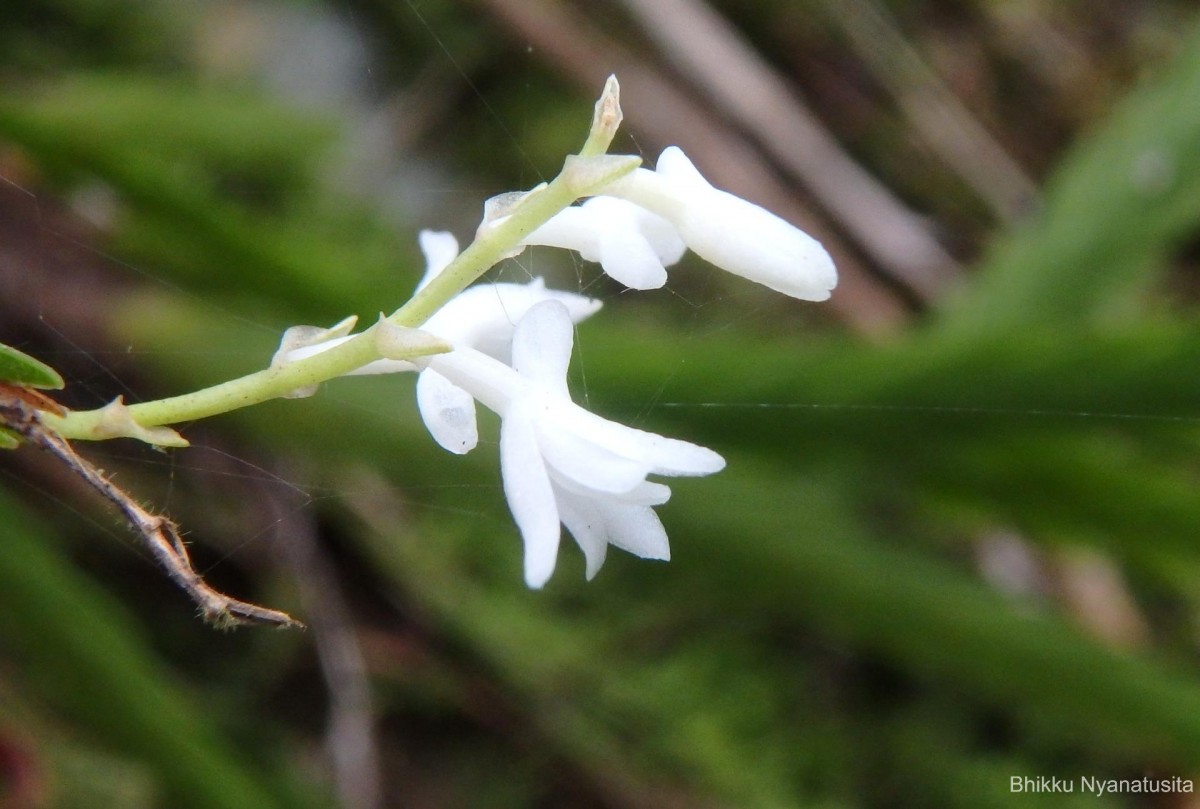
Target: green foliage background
(824,635)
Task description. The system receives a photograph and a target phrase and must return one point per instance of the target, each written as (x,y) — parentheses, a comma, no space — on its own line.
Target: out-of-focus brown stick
(350,734)
(659,111)
(710,52)
(934,111)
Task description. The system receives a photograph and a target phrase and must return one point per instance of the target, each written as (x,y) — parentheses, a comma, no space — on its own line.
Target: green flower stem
(497,241)
(260,386)
(580,177)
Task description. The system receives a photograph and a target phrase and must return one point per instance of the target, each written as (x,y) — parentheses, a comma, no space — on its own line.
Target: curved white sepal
(448,412)
(530,495)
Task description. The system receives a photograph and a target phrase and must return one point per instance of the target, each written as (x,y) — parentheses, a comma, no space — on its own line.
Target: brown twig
(934,111)
(160,534)
(351,734)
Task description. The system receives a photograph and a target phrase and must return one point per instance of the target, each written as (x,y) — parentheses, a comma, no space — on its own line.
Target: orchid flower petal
(439,248)
(631,528)
(647,493)
(632,245)
(488,380)
(573,228)
(484,316)
(633,262)
(662,236)
(448,412)
(676,458)
(587,530)
(541,346)
(530,495)
(575,456)
(638,530)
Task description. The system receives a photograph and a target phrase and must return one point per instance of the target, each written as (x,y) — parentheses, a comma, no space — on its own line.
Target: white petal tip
(448,412)
(439,247)
(685,459)
(536,579)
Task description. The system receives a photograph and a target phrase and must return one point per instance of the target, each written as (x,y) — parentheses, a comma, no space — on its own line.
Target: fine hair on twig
(160,534)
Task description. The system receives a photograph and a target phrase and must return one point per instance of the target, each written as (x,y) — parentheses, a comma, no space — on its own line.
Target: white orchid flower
(728,231)
(481,317)
(631,244)
(562,464)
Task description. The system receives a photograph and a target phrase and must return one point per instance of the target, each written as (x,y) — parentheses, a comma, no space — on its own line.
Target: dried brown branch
(949,129)
(160,534)
(350,735)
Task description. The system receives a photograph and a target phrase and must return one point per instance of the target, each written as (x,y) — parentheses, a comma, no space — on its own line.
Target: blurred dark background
(959,534)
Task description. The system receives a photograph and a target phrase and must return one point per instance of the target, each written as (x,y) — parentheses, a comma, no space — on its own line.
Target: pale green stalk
(582,175)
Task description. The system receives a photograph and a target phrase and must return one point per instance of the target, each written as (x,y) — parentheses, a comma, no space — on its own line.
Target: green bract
(9,439)
(18,368)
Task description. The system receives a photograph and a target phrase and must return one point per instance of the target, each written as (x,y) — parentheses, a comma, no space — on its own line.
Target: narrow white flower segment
(563,464)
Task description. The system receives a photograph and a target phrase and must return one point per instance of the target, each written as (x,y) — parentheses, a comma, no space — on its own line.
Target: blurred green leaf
(18,368)
(223,185)
(83,653)
(1125,196)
